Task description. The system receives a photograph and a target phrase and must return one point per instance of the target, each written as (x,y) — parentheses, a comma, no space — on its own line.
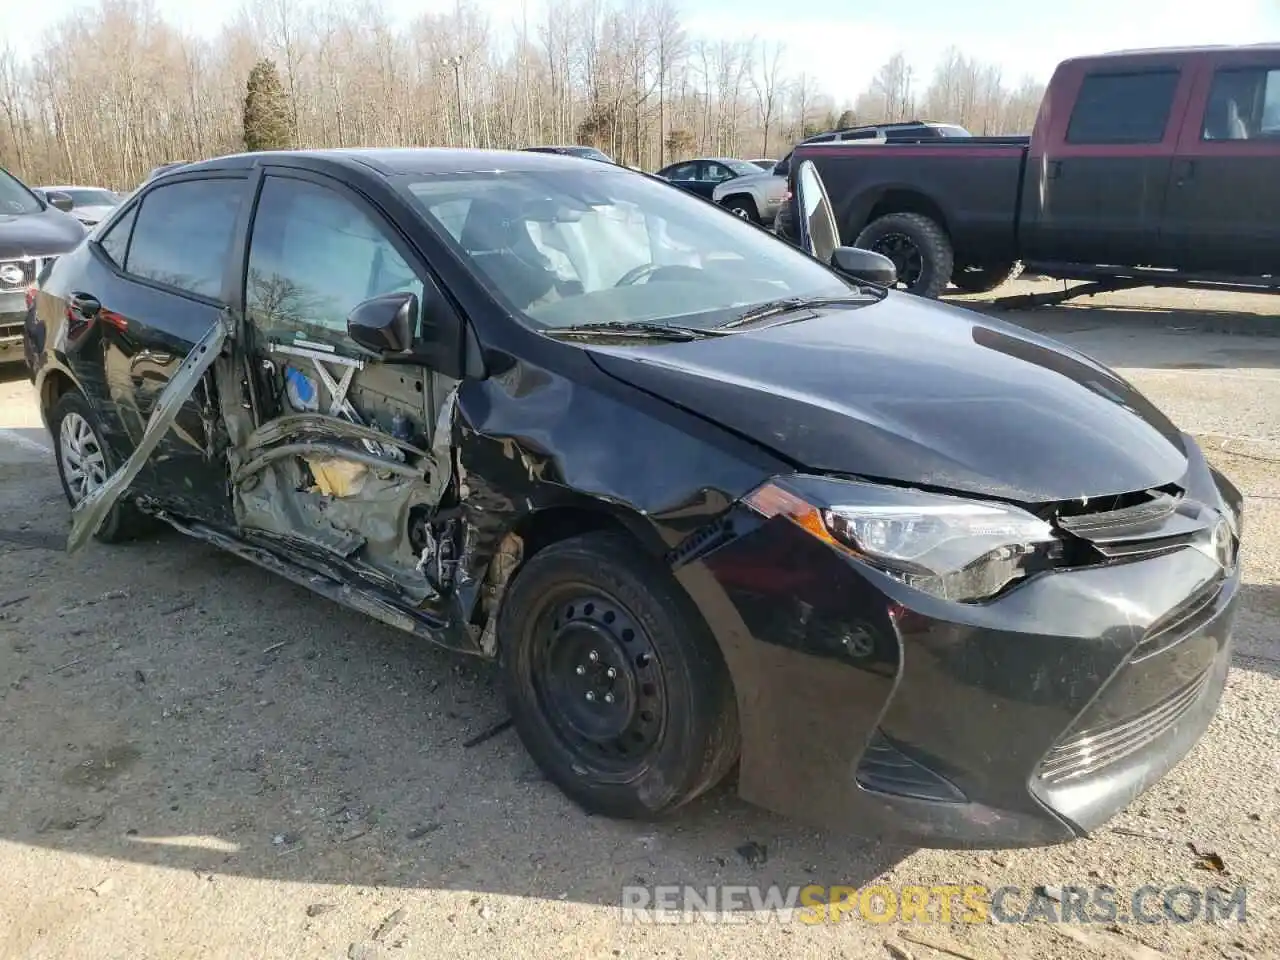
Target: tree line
(112,91)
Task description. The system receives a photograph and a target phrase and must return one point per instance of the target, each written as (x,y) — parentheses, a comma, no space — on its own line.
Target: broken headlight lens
(950,547)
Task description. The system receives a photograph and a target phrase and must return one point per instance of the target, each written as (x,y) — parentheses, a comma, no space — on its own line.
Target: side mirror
(60,200)
(859,264)
(385,324)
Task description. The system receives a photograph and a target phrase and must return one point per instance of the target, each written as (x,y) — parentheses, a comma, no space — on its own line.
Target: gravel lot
(200,760)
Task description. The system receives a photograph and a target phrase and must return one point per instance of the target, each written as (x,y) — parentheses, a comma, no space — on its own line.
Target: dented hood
(921,393)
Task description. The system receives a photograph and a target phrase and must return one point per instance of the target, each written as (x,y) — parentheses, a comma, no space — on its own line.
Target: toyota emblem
(12,275)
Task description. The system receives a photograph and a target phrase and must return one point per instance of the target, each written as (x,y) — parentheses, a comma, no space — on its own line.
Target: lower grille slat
(1091,750)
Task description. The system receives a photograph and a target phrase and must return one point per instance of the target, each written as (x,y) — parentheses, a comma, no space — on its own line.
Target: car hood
(921,393)
(763,178)
(38,234)
(94,212)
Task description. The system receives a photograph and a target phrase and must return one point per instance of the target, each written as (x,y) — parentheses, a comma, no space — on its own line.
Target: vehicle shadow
(171,705)
(1257,629)
(1153,337)
(13,372)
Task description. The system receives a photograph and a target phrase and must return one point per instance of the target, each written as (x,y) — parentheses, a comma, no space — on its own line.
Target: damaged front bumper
(1027,720)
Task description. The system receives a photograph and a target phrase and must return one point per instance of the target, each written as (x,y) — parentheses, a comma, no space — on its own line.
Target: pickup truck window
(1244,104)
(1123,107)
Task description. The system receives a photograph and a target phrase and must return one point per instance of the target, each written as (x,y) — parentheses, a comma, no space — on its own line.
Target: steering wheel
(636,274)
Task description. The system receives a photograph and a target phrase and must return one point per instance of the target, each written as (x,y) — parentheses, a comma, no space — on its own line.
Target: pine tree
(267,120)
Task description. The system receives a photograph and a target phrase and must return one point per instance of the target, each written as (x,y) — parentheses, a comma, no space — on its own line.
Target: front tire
(85,462)
(614,682)
(743,207)
(918,247)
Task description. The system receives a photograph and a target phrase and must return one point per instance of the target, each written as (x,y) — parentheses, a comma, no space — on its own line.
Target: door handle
(85,304)
(1186,171)
(1053,169)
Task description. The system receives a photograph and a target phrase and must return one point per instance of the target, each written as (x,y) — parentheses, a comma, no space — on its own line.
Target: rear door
(1094,189)
(155,284)
(1223,212)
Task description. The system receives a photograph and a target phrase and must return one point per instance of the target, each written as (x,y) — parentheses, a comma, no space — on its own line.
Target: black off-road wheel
(918,247)
(613,679)
(85,462)
(985,279)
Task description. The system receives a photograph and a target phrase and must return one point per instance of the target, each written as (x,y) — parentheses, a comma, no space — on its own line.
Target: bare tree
(768,83)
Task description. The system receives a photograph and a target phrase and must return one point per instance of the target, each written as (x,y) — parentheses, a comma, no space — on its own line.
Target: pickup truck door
(1095,183)
(1223,211)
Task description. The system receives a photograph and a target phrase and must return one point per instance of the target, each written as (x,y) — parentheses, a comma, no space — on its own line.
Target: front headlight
(953,548)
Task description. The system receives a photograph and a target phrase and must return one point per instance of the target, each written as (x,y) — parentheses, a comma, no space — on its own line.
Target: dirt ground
(201,760)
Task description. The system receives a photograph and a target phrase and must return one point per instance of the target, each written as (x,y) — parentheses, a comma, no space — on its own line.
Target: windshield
(566,249)
(16,198)
(81,197)
(741,167)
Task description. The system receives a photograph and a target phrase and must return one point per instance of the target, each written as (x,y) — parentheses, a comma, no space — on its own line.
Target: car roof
(1173,53)
(390,161)
(73,186)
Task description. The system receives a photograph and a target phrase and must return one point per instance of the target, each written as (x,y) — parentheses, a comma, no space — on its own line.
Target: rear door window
(1244,104)
(182,234)
(1115,108)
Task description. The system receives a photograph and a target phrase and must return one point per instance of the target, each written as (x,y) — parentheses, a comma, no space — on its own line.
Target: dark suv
(33,231)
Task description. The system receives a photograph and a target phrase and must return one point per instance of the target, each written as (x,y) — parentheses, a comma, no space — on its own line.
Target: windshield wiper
(774,308)
(652,331)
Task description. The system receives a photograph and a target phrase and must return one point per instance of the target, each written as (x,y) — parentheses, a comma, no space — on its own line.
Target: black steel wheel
(918,247)
(614,682)
(598,679)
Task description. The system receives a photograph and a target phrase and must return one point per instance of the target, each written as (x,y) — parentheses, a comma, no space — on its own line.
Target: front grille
(18,274)
(1091,750)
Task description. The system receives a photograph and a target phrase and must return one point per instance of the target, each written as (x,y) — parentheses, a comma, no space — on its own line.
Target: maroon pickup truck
(1156,167)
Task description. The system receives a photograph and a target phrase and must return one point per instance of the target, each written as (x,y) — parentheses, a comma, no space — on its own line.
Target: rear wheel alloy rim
(905,255)
(599,681)
(741,212)
(84,467)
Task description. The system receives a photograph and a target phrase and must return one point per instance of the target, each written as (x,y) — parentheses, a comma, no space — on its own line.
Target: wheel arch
(53,385)
(902,199)
(538,528)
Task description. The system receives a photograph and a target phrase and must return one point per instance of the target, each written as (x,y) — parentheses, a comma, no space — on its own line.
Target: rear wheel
(614,682)
(985,279)
(85,462)
(918,247)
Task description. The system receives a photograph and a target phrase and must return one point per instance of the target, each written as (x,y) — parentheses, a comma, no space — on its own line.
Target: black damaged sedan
(708,499)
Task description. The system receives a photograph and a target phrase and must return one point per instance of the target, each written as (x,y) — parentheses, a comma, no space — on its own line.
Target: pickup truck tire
(615,683)
(740,205)
(985,279)
(918,247)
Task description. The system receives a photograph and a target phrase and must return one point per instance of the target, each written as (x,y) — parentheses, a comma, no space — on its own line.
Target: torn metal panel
(89,514)
(338,387)
(313,449)
(298,425)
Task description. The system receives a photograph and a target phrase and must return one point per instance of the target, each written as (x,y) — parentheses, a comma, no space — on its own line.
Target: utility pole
(456,63)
